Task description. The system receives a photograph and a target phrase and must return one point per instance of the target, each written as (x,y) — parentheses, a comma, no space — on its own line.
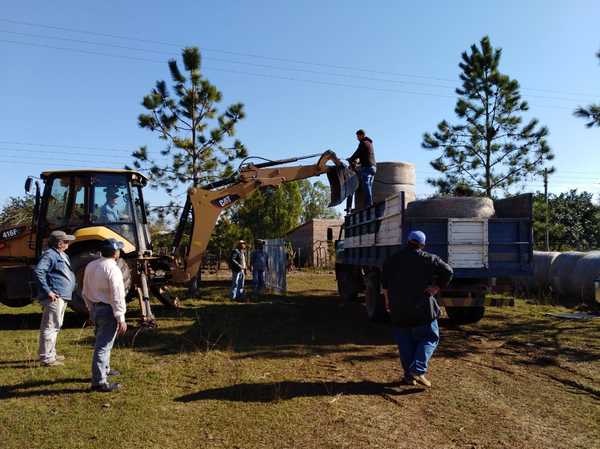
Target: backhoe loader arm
(208,203)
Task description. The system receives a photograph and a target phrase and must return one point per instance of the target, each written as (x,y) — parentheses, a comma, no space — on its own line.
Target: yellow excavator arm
(209,201)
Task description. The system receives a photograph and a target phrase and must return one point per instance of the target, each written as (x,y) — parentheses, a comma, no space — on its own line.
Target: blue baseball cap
(417,236)
(112,244)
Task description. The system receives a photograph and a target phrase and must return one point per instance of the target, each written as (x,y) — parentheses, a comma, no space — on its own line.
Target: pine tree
(591,113)
(188,120)
(489,149)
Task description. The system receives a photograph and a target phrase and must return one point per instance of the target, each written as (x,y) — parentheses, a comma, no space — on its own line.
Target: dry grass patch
(303,371)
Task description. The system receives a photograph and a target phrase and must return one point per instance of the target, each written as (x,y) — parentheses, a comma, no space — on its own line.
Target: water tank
(586,271)
(561,275)
(392,178)
(451,207)
(542,261)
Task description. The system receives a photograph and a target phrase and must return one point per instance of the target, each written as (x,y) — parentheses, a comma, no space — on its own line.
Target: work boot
(421,379)
(53,363)
(106,388)
(408,379)
(60,357)
(113,372)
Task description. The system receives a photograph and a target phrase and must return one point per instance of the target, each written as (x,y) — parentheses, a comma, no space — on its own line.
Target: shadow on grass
(274,327)
(29,321)
(280,391)
(30,389)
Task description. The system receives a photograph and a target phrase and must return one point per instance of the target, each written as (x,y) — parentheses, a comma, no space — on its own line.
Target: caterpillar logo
(11,233)
(225,201)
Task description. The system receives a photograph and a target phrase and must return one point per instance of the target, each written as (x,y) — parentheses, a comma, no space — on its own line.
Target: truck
(485,253)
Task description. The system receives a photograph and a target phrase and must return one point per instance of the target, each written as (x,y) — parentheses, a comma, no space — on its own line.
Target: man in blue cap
(411,279)
(104,295)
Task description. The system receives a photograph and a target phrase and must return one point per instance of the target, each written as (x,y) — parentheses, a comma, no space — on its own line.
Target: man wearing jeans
(104,295)
(238,270)
(366,156)
(411,278)
(56,283)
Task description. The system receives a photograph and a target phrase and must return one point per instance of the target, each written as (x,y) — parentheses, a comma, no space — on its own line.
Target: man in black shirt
(411,279)
(366,156)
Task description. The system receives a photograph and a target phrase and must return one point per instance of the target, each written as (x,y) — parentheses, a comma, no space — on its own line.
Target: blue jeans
(367,175)
(237,284)
(106,332)
(416,346)
(258,280)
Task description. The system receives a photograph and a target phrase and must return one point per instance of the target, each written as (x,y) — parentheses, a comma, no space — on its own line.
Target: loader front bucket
(343,182)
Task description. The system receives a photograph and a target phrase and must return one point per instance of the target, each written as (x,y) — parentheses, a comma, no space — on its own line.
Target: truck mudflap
(476,302)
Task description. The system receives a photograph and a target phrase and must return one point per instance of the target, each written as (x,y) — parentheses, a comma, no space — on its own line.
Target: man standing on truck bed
(411,279)
(56,283)
(366,156)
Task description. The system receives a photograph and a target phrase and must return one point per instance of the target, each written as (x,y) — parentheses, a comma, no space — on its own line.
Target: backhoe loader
(97,204)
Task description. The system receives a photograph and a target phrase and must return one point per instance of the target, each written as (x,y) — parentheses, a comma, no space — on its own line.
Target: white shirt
(103,282)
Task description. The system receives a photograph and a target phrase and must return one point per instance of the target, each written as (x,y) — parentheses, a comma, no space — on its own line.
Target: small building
(313,242)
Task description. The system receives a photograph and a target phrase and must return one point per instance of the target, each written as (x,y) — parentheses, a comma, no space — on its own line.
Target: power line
(80,147)
(268,66)
(262,75)
(251,55)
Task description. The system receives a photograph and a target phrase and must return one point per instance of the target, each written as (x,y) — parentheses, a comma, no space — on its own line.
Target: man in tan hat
(56,284)
(237,263)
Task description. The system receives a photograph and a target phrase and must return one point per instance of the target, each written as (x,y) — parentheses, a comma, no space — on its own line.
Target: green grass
(303,371)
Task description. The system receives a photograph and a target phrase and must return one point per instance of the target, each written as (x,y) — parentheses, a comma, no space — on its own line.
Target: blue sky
(309,73)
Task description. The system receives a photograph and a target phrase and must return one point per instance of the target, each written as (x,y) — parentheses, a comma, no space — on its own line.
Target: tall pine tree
(188,120)
(489,149)
(591,113)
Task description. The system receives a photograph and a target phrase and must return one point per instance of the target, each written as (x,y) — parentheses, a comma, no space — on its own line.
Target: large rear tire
(349,282)
(465,315)
(78,263)
(374,300)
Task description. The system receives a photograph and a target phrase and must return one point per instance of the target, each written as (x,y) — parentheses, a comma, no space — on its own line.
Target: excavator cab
(92,205)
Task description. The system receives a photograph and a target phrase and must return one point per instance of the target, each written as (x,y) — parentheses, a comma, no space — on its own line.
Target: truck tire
(465,315)
(349,283)
(374,301)
(78,263)
(457,207)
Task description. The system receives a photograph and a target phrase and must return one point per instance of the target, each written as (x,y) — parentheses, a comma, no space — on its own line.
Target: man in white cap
(104,295)
(237,264)
(411,279)
(56,282)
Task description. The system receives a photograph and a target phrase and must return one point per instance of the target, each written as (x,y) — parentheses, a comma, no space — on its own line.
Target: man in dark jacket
(56,282)
(366,156)
(411,279)
(238,270)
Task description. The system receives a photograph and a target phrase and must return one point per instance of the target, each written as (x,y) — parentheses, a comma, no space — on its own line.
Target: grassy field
(302,371)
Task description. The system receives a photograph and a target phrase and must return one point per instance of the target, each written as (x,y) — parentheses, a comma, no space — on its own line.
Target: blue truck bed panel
(507,253)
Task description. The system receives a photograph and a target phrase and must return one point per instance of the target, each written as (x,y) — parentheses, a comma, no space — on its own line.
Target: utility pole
(547,208)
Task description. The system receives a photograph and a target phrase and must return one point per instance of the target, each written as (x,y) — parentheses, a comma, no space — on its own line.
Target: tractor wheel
(78,263)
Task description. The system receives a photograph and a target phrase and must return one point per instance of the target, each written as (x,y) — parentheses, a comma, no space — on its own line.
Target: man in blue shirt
(56,284)
(109,212)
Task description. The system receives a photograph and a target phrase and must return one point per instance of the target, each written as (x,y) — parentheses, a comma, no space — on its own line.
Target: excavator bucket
(343,182)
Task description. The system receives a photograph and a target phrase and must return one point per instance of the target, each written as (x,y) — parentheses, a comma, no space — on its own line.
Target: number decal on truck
(11,233)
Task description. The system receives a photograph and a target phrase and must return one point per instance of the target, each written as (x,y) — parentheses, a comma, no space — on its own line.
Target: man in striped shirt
(104,295)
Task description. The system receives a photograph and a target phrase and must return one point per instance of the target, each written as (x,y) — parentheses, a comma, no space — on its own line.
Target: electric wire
(258,56)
